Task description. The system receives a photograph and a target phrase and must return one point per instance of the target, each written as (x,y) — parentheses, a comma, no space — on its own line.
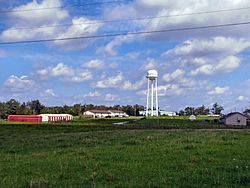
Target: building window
(238,119)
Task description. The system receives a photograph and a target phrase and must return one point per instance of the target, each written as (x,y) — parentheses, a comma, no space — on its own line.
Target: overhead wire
(127,34)
(127,20)
(59,7)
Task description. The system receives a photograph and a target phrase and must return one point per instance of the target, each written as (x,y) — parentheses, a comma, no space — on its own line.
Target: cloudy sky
(195,67)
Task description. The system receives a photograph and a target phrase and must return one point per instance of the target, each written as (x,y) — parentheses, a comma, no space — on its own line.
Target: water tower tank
(152,74)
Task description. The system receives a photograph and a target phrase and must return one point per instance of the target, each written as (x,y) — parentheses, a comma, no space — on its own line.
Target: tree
(247,112)
(181,113)
(77,110)
(128,109)
(137,109)
(24,109)
(3,110)
(216,110)
(89,107)
(202,110)
(189,111)
(35,106)
(12,107)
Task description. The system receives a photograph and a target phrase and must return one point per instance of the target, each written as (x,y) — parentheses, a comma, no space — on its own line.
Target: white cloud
(203,48)
(93,94)
(49,93)
(80,25)
(163,8)
(170,90)
(99,64)
(209,56)
(192,84)
(79,28)
(61,70)
(133,55)
(226,65)
(94,64)
(65,73)
(113,65)
(204,69)
(19,84)
(110,48)
(247,82)
(172,7)
(165,11)
(165,91)
(178,73)
(127,85)
(109,82)
(110,97)
(178,83)
(219,90)
(120,12)
(40,17)
(81,77)
(242,98)
(43,73)
(150,64)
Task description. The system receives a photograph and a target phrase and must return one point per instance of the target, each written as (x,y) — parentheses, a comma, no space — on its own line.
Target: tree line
(34,107)
(202,110)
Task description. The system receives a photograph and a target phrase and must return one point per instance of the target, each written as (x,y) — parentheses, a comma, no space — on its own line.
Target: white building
(104,113)
(118,113)
(55,117)
(167,113)
(234,118)
(97,113)
(161,113)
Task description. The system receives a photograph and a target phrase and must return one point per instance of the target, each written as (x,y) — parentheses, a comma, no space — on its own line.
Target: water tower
(152,76)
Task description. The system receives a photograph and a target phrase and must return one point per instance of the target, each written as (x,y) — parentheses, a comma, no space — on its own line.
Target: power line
(131,19)
(129,33)
(59,7)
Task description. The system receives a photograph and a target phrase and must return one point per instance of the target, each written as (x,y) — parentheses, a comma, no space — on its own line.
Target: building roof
(55,115)
(233,113)
(100,111)
(17,115)
(116,111)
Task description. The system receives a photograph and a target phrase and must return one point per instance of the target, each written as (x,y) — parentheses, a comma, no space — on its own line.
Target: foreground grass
(35,156)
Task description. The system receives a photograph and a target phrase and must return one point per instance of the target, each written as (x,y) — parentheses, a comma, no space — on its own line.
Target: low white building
(97,113)
(161,113)
(55,117)
(167,113)
(104,113)
(118,113)
(234,118)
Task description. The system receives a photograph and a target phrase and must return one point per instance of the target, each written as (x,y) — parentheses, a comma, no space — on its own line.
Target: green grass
(85,121)
(76,156)
(132,123)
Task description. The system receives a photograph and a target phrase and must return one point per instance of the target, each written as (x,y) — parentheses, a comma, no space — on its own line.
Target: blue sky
(195,67)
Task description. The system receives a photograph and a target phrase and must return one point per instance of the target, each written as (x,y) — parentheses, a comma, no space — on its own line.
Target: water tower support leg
(147,100)
(152,98)
(156,97)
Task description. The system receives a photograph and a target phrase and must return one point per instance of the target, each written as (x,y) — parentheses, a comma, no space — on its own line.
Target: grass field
(142,153)
(181,122)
